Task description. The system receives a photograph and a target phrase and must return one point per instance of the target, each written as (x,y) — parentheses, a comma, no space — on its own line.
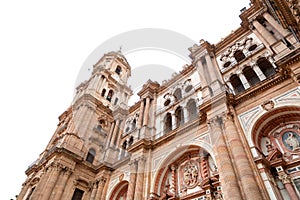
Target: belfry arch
(188,172)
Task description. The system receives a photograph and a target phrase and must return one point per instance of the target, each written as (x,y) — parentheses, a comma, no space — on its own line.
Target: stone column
(138,194)
(203,80)
(259,73)
(61,184)
(245,172)
(275,24)
(264,32)
(201,73)
(174,177)
(185,114)
(101,184)
(146,114)
(286,180)
(140,120)
(121,128)
(211,68)
(55,170)
(132,180)
(173,120)
(115,133)
(227,174)
(244,81)
(230,87)
(94,190)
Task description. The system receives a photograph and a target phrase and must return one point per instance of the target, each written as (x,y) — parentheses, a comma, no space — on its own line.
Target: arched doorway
(120,191)
(276,137)
(188,173)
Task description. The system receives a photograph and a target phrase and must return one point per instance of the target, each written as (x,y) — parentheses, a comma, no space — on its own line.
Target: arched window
(236,84)
(178,94)
(192,109)
(133,124)
(266,67)
(250,75)
(168,122)
(116,101)
(124,145)
(130,141)
(91,156)
(118,70)
(179,116)
(239,55)
(103,92)
(110,95)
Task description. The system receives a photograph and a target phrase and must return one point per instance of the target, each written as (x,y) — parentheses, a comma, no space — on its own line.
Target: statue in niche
(291,141)
(190,174)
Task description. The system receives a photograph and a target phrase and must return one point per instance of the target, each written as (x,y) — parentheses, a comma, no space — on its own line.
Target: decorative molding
(268,105)
(248,117)
(292,96)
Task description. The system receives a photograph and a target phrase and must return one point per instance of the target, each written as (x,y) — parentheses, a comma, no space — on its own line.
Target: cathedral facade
(225,127)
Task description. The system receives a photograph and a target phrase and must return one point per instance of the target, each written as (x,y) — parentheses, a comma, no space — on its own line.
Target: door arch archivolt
(187,173)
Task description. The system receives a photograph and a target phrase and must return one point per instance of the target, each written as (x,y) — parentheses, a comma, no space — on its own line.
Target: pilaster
(132,180)
(138,194)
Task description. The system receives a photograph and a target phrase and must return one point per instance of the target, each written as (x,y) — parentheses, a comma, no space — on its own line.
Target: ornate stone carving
(291,140)
(190,174)
(268,105)
(285,178)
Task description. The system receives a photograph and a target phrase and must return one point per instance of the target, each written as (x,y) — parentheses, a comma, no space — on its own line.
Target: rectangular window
(78,194)
(297,184)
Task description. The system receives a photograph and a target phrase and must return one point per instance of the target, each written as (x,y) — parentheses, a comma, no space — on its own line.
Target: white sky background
(43,45)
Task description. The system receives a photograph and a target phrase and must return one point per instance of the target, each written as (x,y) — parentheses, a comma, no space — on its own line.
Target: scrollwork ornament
(285,178)
(190,174)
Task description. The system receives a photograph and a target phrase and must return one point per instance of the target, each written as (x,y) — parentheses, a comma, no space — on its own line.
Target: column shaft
(101,184)
(201,74)
(140,120)
(240,159)
(229,182)
(94,191)
(264,32)
(173,121)
(173,186)
(110,136)
(291,191)
(146,114)
(275,24)
(259,73)
(115,133)
(211,69)
(61,184)
(244,81)
(122,125)
(51,182)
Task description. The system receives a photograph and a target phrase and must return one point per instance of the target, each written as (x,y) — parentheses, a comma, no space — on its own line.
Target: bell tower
(87,135)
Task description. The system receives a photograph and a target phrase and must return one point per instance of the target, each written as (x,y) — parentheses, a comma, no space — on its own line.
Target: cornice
(231,38)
